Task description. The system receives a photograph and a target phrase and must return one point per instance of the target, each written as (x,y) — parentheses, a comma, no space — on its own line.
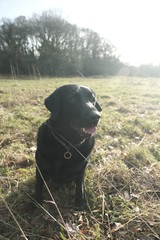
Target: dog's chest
(66,170)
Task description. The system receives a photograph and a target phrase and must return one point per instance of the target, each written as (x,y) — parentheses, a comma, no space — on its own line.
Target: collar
(64,142)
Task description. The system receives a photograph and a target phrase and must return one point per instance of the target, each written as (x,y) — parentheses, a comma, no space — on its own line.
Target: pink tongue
(90,130)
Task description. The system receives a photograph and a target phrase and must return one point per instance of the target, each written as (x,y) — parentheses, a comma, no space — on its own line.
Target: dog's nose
(94,118)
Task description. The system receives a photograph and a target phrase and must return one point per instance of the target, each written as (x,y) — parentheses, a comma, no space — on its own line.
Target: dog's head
(76,107)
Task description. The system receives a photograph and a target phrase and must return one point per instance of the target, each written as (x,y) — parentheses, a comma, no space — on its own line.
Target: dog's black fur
(74,116)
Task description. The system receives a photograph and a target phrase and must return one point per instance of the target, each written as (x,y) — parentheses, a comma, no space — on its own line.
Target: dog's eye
(92,97)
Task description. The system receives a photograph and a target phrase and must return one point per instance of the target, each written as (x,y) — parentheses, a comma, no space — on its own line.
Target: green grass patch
(122,179)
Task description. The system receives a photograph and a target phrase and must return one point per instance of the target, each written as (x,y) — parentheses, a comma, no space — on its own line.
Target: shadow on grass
(35,222)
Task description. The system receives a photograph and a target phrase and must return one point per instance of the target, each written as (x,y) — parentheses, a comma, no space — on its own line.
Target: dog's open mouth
(86,131)
(89,130)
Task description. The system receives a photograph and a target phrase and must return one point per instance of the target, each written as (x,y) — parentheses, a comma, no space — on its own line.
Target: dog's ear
(52,103)
(98,107)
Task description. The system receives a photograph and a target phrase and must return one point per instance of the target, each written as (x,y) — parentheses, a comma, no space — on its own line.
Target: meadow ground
(122,180)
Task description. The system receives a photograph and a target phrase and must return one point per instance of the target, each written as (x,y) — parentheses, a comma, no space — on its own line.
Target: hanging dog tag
(67,155)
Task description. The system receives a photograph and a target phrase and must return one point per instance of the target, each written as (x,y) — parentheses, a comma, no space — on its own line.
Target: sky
(132,26)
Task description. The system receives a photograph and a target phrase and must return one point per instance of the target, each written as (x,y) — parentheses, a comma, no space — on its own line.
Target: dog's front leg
(80,193)
(39,187)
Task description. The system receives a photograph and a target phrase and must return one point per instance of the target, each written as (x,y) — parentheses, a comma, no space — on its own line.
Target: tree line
(145,70)
(48,45)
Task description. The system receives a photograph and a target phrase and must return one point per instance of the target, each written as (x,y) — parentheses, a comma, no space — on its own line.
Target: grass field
(122,180)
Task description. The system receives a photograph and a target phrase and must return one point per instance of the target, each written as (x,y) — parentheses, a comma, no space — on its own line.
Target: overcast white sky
(133,26)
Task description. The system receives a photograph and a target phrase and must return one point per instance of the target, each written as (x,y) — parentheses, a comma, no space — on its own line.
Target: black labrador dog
(66,139)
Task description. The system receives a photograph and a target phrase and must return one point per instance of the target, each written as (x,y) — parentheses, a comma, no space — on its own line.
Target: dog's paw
(81,206)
